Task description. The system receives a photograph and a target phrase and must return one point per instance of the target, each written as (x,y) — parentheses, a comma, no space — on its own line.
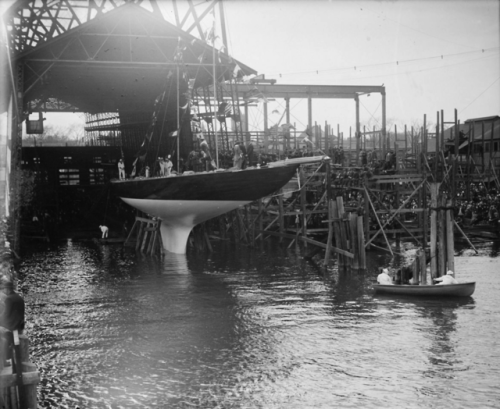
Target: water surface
(252,328)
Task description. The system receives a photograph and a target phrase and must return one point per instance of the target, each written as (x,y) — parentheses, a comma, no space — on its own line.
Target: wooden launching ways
(347,210)
(304,212)
(145,236)
(19,380)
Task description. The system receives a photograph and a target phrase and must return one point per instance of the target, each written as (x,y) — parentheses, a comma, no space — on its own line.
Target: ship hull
(184,201)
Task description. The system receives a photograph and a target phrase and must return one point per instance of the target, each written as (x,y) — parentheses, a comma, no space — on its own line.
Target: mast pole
(178,122)
(215,98)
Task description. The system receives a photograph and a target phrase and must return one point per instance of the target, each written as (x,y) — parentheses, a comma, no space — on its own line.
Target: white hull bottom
(180,216)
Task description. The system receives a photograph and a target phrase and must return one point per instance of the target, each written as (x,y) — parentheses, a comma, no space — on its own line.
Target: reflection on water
(251,329)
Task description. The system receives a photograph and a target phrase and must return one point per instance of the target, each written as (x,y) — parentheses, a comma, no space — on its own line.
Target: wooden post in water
(343,228)
(441,252)
(450,244)
(434,203)
(330,234)
(361,244)
(353,239)
(336,231)
(303,203)
(416,268)
(423,267)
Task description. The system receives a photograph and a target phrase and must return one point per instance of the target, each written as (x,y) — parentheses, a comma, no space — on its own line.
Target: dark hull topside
(242,185)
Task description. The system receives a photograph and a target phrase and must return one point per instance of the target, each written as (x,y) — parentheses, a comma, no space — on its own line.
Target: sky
(430,56)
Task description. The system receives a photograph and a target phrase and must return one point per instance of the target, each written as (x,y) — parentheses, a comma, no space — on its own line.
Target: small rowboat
(450,290)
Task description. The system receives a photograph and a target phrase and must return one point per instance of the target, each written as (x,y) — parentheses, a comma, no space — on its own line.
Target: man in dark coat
(11,316)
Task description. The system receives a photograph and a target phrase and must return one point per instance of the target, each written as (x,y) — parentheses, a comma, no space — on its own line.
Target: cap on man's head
(385,270)
(449,272)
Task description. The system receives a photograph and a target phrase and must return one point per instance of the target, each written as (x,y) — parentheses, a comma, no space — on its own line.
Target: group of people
(483,208)
(161,167)
(404,276)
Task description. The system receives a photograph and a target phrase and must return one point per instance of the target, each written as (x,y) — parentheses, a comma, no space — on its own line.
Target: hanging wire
(474,100)
(390,63)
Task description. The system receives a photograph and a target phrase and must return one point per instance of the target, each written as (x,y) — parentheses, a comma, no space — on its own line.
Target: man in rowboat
(384,277)
(446,279)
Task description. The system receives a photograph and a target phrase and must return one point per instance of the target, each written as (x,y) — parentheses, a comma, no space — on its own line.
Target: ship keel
(180,216)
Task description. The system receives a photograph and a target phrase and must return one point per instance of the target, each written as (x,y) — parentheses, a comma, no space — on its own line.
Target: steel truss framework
(32,23)
(109,55)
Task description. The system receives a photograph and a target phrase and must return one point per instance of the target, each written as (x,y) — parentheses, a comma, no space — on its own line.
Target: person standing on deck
(238,157)
(121,169)
(209,163)
(161,163)
(168,166)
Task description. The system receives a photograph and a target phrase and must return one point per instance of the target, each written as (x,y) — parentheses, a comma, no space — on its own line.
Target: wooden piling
(361,244)
(9,382)
(343,227)
(434,202)
(330,234)
(450,244)
(353,239)
(423,267)
(336,231)
(441,252)
(303,202)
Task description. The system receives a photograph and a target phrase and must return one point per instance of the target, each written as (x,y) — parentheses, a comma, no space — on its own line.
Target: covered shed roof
(118,61)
